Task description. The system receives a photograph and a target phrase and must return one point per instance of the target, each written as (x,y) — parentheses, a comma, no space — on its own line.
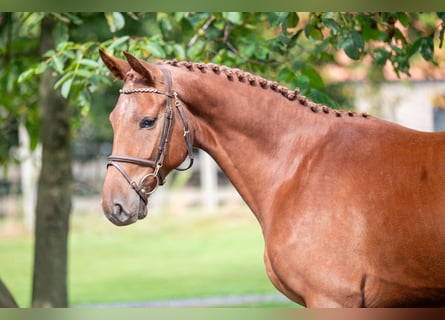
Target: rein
(145,188)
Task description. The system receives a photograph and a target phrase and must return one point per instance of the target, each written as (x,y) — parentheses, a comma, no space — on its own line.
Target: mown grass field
(165,256)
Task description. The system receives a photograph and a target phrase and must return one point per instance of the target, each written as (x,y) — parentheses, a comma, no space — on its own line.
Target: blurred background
(200,245)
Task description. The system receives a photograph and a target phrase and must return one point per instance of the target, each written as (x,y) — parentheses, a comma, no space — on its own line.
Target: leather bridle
(150,182)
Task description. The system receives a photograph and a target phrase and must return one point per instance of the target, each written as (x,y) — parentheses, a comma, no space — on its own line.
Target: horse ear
(117,67)
(140,67)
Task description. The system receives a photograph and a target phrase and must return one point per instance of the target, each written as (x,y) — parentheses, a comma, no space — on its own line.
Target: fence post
(29,171)
(209,182)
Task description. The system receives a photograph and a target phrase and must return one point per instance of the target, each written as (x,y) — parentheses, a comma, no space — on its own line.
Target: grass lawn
(165,256)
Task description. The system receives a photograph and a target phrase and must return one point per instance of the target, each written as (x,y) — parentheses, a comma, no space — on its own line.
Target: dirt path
(217,301)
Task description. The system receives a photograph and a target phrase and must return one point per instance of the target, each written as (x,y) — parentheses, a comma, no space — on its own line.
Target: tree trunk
(6,298)
(54,189)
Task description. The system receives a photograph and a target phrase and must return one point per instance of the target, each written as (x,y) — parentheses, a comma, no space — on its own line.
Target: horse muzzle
(120,216)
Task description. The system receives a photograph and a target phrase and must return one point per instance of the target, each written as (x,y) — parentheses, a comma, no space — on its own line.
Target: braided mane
(254,80)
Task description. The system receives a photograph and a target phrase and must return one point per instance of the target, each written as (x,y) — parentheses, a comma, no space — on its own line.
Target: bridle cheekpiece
(150,182)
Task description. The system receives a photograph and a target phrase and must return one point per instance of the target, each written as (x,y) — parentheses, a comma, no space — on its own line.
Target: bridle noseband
(156,177)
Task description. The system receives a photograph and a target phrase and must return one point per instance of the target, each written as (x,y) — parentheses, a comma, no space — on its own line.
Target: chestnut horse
(351,207)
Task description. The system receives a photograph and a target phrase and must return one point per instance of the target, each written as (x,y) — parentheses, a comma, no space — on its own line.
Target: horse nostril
(117,209)
(117,213)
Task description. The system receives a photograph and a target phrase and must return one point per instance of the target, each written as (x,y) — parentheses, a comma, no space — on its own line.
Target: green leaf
(156,49)
(352,44)
(315,80)
(286,75)
(178,16)
(262,53)
(73,18)
(119,20)
(292,20)
(166,25)
(234,17)
(381,56)
(213,33)
(427,48)
(49,53)
(25,75)
(84,73)
(313,32)
(332,24)
(89,63)
(283,19)
(294,38)
(398,35)
(413,47)
(326,57)
(115,21)
(66,88)
(118,42)
(400,62)
(60,33)
(68,54)
(195,50)
(179,52)
(65,45)
(61,17)
(358,40)
(301,82)
(41,68)
(349,48)
(249,50)
(277,18)
(320,97)
(403,18)
(58,64)
(64,78)
(441,15)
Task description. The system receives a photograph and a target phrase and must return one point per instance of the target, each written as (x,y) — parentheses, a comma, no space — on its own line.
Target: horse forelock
(242,76)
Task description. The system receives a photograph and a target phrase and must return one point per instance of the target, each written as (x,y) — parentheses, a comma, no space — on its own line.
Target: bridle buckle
(157,168)
(143,180)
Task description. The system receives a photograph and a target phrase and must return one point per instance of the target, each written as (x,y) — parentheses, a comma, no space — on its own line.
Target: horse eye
(147,123)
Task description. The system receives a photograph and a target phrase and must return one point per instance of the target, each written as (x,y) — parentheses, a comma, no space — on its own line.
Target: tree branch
(201,31)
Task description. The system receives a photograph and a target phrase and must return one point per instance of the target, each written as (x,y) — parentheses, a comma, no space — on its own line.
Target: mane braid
(254,80)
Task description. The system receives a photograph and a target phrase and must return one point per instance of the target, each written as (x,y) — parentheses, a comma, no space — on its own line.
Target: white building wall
(406,103)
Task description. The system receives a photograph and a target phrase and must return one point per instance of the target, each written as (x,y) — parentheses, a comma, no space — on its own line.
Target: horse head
(148,140)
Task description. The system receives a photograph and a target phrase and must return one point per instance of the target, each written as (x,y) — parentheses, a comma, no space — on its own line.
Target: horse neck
(257,136)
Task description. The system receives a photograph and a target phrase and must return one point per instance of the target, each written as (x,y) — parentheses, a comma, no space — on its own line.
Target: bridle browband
(157,176)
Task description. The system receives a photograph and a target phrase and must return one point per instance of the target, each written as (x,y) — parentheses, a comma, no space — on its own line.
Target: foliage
(18,102)
(288,47)
(393,37)
(262,43)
